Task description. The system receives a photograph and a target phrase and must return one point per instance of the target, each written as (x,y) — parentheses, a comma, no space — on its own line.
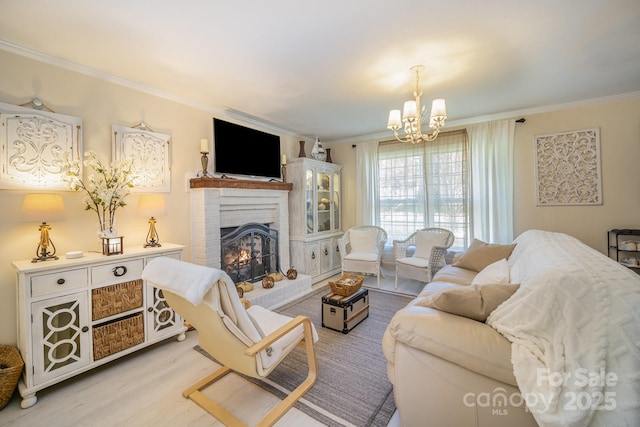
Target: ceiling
(334,68)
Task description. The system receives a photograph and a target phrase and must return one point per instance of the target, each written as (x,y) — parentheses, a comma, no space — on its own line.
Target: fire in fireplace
(249,252)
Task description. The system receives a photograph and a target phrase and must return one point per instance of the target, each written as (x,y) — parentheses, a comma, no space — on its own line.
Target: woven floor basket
(11,366)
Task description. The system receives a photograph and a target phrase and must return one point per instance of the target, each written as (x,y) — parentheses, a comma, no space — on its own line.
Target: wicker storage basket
(115,299)
(347,285)
(11,366)
(118,335)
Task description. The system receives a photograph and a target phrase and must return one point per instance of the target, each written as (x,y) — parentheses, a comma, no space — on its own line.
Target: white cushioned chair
(431,245)
(361,250)
(251,342)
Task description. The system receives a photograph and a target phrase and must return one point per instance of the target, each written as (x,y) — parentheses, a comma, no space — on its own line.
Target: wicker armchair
(361,250)
(427,259)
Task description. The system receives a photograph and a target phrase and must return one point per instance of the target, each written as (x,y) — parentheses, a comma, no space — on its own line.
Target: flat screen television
(239,150)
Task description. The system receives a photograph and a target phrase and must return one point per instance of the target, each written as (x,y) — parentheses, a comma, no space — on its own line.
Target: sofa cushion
(364,240)
(498,272)
(481,254)
(426,240)
(434,287)
(475,302)
(457,275)
(473,345)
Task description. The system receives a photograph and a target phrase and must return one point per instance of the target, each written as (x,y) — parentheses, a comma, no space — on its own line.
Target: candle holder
(284,173)
(205,162)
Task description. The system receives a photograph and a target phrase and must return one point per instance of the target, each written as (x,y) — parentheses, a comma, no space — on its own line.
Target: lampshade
(410,110)
(152,205)
(438,109)
(43,207)
(394,120)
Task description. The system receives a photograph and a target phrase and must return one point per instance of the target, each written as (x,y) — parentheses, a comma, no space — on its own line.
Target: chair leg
(230,420)
(395,286)
(282,407)
(217,411)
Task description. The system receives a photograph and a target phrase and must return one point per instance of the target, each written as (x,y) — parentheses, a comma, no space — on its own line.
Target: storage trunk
(342,313)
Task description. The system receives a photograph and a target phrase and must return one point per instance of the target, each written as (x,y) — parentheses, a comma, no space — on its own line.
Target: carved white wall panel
(33,144)
(150,154)
(568,168)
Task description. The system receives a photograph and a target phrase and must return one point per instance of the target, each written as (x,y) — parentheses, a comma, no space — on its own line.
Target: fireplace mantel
(239,183)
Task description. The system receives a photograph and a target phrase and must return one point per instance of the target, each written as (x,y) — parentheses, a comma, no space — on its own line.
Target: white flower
(107,189)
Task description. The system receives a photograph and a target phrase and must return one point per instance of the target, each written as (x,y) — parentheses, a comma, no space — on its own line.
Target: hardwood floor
(144,389)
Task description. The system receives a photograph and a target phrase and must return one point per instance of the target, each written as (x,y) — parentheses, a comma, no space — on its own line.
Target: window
(425,185)
(402,189)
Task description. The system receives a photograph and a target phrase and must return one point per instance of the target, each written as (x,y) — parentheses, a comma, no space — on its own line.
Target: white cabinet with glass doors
(314,219)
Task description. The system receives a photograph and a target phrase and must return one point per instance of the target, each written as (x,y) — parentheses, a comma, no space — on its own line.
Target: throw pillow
(474,302)
(364,241)
(426,240)
(498,272)
(481,254)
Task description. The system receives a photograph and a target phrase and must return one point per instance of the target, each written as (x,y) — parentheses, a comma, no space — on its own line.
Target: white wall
(100,104)
(619,123)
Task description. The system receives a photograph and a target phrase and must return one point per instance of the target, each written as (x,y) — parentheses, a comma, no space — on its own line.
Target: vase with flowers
(106,188)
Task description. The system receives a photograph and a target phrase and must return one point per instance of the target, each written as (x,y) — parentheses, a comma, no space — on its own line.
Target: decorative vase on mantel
(301,153)
(318,152)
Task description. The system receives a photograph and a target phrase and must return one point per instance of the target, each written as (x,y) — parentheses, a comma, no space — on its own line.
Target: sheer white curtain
(492,180)
(367,178)
(448,185)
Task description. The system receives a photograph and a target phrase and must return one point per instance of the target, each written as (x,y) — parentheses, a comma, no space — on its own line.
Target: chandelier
(413,114)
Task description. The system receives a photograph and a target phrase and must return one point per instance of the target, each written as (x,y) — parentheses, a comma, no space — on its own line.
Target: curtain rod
(394,141)
(520,120)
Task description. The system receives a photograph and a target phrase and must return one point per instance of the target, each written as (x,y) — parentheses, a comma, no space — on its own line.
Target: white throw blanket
(190,281)
(574,325)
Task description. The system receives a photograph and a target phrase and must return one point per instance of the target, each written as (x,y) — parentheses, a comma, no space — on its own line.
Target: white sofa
(575,315)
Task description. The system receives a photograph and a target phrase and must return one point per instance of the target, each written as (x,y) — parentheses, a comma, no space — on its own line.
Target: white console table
(76,314)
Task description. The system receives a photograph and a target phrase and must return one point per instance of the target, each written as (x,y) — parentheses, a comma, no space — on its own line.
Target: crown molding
(101,75)
(256,121)
(380,136)
(110,78)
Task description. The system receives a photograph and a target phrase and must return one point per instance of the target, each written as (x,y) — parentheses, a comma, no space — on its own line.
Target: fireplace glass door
(249,252)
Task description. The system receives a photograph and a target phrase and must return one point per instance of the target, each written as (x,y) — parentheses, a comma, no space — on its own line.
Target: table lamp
(43,207)
(152,205)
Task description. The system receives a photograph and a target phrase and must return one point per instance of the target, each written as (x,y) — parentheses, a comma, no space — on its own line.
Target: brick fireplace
(214,208)
(220,203)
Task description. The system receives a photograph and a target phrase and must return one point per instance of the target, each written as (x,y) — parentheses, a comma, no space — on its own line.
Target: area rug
(352,388)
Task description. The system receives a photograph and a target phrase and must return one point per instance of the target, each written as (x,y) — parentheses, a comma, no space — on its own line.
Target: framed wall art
(33,144)
(568,168)
(150,152)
